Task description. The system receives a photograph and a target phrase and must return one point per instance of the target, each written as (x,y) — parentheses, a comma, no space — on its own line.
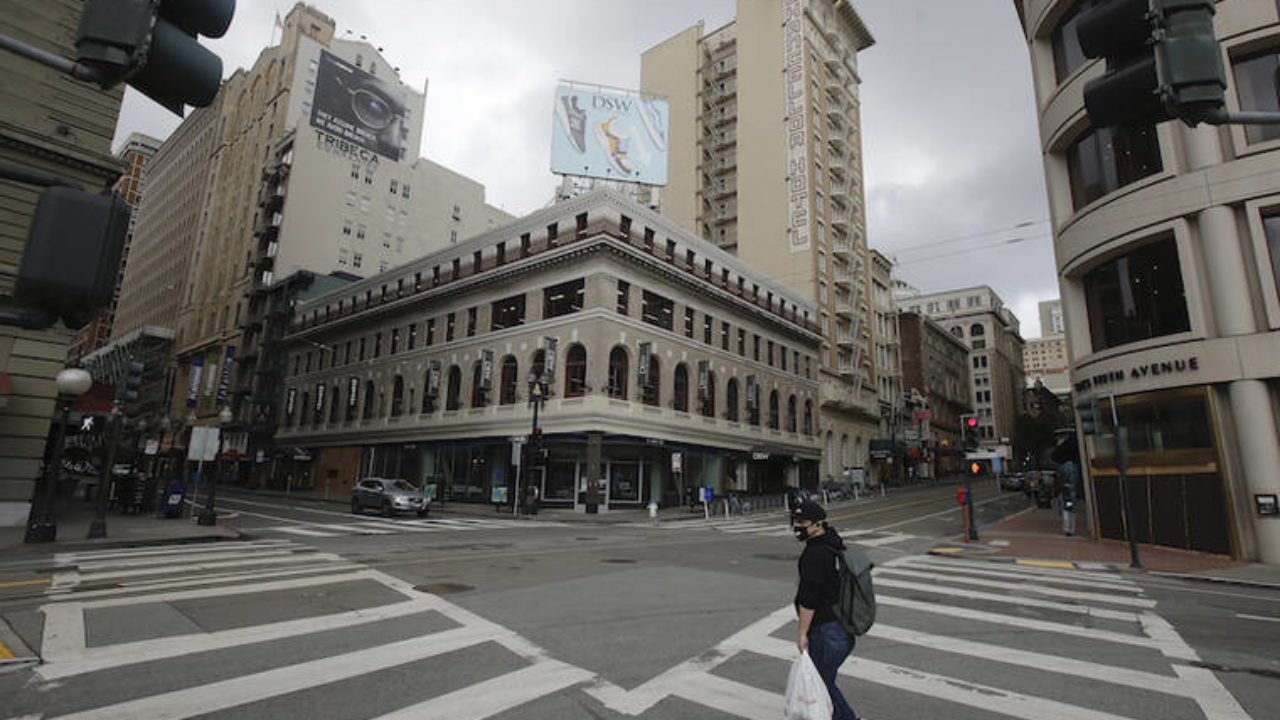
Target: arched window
(335,404)
(680,389)
(397,397)
(773,411)
(453,394)
(844,452)
(830,454)
(575,371)
(510,380)
(353,397)
(539,363)
(709,399)
(731,400)
(791,414)
(975,330)
(428,401)
(618,373)
(808,417)
(304,412)
(652,394)
(477,389)
(370,394)
(958,332)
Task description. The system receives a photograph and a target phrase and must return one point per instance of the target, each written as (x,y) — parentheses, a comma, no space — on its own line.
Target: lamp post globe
(73,382)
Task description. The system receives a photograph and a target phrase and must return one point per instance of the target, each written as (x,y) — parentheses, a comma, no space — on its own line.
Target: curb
(112,544)
(1212,579)
(950,551)
(14,654)
(953,551)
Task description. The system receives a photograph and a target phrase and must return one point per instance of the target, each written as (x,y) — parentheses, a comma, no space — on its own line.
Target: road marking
(302,531)
(176,562)
(496,695)
(25,583)
(338,573)
(1263,618)
(5,652)
(63,636)
(1021,569)
(950,567)
(72,558)
(1020,587)
(729,696)
(974,695)
(1008,599)
(131,653)
(1016,621)
(309,559)
(213,697)
(940,513)
(204,580)
(1062,565)
(887,540)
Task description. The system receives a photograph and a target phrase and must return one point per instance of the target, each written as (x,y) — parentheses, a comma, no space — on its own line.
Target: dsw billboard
(609,135)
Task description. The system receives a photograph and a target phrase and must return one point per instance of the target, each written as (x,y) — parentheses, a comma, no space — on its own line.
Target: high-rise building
(135,153)
(1051,322)
(978,316)
(765,161)
(1044,359)
(51,124)
(1168,256)
(308,162)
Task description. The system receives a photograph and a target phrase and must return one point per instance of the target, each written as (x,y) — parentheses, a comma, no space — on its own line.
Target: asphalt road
(487,617)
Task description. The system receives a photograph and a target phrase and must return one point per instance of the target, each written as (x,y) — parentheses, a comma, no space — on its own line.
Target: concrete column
(1260,457)
(1225,267)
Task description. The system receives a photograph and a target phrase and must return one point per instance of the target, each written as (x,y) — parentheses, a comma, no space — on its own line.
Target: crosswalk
(397,526)
(773,527)
(954,638)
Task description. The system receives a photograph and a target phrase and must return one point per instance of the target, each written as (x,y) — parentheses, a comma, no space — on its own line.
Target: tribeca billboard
(359,108)
(609,134)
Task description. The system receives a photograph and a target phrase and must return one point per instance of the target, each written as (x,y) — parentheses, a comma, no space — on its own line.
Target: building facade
(978,316)
(1051,321)
(1168,263)
(936,367)
(786,197)
(135,153)
(1044,360)
(51,124)
(669,365)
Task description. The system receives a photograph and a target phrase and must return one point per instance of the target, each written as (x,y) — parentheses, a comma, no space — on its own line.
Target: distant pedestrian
(821,634)
(1067,480)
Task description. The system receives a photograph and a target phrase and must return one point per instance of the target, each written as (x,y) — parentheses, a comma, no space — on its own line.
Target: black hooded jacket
(819,585)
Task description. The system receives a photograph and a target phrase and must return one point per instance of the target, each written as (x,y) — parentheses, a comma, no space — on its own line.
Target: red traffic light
(975,468)
(971,421)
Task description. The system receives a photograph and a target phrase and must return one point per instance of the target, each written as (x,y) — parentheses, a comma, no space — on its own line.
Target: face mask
(802,533)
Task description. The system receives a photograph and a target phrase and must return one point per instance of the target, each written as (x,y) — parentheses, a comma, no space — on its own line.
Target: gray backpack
(855,606)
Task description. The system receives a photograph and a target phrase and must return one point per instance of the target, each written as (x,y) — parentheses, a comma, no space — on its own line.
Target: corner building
(1168,252)
(765,161)
(671,364)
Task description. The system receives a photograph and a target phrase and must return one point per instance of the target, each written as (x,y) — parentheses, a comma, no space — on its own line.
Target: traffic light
(152,45)
(1087,411)
(72,257)
(1162,59)
(130,384)
(969,432)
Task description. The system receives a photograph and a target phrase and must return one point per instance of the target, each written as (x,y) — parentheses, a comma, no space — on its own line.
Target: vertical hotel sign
(797,121)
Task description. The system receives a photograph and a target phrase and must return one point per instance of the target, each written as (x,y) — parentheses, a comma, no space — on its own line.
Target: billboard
(609,134)
(357,107)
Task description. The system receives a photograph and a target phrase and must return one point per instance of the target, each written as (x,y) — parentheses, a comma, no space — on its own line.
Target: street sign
(706,494)
(676,462)
(204,444)
(153,447)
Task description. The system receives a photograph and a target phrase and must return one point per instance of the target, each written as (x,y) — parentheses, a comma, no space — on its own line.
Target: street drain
(443,588)
(619,561)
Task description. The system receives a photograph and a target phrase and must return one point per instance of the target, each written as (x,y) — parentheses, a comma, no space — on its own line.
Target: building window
(708,395)
(1136,296)
(791,414)
(680,389)
(471,322)
(575,371)
(769,353)
(688,322)
(1271,227)
(708,328)
(742,342)
(1255,77)
(413,336)
(431,331)
(395,340)
(397,397)
(755,340)
(724,336)
(370,395)
(1105,159)
(453,395)
(624,296)
(808,417)
(774,420)
(656,310)
(507,313)
(731,400)
(651,393)
(1067,55)
(449,326)
(618,373)
(477,385)
(563,299)
(377,345)
(510,378)
(976,330)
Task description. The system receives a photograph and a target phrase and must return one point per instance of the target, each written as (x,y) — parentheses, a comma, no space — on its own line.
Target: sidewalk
(74,516)
(1034,536)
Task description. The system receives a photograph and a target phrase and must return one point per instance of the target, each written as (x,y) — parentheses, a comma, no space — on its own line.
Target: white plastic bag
(807,696)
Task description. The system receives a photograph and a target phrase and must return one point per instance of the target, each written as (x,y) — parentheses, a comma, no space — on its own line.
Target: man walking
(821,634)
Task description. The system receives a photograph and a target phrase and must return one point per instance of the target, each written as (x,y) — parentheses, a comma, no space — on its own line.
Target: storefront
(1179,496)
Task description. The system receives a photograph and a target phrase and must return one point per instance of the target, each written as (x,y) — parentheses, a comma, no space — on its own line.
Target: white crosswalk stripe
(772,527)
(953,645)
(395,526)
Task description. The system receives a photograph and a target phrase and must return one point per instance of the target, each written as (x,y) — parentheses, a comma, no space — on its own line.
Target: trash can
(175,494)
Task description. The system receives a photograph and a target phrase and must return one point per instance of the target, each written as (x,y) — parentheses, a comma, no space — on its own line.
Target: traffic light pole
(1122,467)
(98,528)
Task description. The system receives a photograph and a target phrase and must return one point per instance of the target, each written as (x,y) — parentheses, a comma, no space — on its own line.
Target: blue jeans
(829,645)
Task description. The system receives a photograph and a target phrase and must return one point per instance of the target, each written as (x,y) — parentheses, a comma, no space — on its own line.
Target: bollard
(653,513)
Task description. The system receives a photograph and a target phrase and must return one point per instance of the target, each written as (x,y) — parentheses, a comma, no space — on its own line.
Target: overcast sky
(952,155)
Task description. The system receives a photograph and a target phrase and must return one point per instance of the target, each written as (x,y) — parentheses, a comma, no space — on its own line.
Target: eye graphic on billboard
(357,107)
(612,135)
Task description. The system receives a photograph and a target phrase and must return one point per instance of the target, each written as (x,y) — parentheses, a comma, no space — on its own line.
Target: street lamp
(208,516)
(165,425)
(537,397)
(41,525)
(98,528)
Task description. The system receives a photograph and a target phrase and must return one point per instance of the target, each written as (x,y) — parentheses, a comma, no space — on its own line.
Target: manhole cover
(775,556)
(443,588)
(619,561)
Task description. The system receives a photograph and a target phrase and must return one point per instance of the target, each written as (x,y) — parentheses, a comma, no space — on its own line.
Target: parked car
(389,497)
(1014,481)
